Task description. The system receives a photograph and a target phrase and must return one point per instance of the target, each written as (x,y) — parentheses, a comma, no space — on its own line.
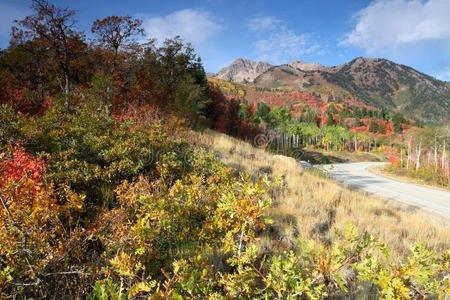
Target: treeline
(423,154)
(336,123)
(290,121)
(50,62)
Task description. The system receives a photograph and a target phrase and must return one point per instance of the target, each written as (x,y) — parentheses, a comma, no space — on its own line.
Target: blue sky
(411,32)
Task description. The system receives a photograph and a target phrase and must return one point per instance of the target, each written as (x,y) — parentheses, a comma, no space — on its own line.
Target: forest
(291,120)
(106,192)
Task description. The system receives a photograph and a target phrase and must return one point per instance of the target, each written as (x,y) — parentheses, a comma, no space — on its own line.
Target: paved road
(356,175)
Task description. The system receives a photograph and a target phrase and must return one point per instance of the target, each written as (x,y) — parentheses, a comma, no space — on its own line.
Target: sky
(330,32)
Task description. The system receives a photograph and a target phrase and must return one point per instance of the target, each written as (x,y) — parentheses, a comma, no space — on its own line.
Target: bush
(114,206)
(88,154)
(30,233)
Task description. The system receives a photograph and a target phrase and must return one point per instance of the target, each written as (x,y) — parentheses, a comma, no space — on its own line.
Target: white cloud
(262,23)
(390,25)
(279,44)
(194,26)
(284,45)
(444,75)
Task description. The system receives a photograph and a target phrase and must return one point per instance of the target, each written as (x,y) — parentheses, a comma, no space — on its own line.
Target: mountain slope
(377,82)
(242,70)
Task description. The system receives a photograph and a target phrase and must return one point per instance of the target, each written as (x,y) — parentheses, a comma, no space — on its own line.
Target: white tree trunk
(419,150)
(435,153)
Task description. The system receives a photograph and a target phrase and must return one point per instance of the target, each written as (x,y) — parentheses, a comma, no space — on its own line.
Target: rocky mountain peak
(304,66)
(243,70)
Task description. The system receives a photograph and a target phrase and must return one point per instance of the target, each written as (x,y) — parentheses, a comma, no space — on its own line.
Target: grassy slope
(402,175)
(309,206)
(320,157)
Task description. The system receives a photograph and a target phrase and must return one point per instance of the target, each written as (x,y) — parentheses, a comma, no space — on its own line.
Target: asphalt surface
(356,175)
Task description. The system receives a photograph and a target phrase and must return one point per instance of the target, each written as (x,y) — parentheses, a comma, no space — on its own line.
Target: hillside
(377,82)
(242,70)
(319,196)
(125,173)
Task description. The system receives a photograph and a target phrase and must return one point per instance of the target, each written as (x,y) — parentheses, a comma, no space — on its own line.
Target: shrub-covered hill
(350,114)
(376,82)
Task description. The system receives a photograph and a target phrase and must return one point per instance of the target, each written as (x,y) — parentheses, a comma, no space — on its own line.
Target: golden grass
(307,206)
(400,175)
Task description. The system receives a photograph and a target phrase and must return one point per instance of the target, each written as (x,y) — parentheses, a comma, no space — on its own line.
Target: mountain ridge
(242,70)
(374,81)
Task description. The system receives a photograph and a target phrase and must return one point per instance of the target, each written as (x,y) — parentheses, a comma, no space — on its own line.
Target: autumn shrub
(311,271)
(90,148)
(30,232)
(163,223)
(430,174)
(170,201)
(87,155)
(231,116)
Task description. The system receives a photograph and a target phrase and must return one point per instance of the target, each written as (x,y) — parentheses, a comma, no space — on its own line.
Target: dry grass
(308,206)
(400,175)
(319,157)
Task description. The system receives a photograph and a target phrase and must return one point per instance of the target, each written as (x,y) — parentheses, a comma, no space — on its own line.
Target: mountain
(374,81)
(242,70)
(297,64)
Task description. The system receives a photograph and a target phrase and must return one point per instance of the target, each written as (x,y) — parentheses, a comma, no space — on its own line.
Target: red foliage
(336,119)
(251,108)
(216,108)
(365,122)
(224,115)
(405,127)
(21,164)
(359,129)
(25,101)
(392,159)
(389,127)
(321,121)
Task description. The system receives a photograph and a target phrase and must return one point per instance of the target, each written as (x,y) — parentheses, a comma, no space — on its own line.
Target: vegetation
(373,81)
(106,193)
(424,155)
(291,122)
(306,207)
(292,119)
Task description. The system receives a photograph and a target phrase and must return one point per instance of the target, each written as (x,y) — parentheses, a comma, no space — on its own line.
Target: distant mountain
(374,81)
(242,70)
(297,64)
